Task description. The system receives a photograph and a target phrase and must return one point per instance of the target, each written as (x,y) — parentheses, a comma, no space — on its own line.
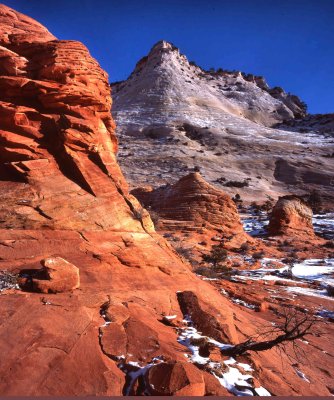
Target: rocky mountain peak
(162,57)
(163,45)
(179,90)
(174,117)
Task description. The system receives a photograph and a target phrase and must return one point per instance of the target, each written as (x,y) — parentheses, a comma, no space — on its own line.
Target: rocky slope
(62,194)
(133,315)
(173,116)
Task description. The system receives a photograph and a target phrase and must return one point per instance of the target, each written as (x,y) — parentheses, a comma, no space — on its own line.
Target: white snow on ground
(243,303)
(323,225)
(134,375)
(233,378)
(105,324)
(315,270)
(134,370)
(310,292)
(302,375)
(253,223)
(227,373)
(325,314)
(261,391)
(319,271)
(246,367)
(208,279)
(170,316)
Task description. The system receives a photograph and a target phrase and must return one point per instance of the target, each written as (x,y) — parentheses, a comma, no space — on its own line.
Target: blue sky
(289,42)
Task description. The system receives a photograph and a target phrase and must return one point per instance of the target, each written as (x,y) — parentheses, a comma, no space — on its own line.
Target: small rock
(59,276)
(175,378)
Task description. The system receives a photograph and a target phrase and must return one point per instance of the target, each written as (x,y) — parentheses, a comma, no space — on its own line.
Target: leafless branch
(295,325)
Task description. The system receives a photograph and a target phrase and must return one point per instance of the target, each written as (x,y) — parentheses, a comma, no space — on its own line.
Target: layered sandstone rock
(62,195)
(191,204)
(291,216)
(16,27)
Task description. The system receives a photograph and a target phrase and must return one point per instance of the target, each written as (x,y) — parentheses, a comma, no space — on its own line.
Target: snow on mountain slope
(173,117)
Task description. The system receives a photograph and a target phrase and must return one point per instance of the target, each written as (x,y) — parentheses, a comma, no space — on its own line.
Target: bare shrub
(295,325)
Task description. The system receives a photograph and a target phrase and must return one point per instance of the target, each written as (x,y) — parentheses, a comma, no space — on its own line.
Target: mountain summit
(174,117)
(179,90)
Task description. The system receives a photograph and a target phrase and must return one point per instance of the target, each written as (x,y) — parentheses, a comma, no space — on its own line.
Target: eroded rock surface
(291,216)
(176,379)
(173,117)
(56,276)
(62,194)
(193,205)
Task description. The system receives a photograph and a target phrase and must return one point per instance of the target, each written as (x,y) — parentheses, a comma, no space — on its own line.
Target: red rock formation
(178,379)
(56,276)
(16,27)
(62,195)
(191,204)
(291,216)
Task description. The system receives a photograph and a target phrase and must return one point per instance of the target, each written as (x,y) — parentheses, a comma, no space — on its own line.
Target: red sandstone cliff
(62,194)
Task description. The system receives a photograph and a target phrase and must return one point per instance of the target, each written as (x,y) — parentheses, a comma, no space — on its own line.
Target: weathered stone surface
(204,316)
(173,117)
(175,379)
(191,204)
(63,194)
(291,216)
(59,276)
(19,28)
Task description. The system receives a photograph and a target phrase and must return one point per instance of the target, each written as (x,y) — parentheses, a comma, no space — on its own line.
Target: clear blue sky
(289,42)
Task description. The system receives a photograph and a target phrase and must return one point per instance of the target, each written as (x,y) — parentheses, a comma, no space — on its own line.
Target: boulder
(192,204)
(175,379)
(291,216)
(60,276)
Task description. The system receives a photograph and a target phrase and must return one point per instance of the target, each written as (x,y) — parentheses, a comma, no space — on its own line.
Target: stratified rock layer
(191,204)
(62,195)
(291,216)
(172,116)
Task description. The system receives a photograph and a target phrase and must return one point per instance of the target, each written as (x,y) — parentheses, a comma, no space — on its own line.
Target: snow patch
(170,317)
(227,373)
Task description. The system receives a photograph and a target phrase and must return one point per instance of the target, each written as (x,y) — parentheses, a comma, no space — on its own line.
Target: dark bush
(314,200)
(245,247)
(258,255)
(238,184)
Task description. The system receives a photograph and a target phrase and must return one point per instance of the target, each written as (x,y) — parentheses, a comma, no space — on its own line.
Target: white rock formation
(172,117)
